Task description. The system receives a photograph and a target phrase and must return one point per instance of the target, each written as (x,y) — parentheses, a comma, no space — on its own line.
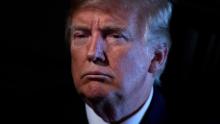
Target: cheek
(77,59)
(132,67)
(78,55)
(132,60)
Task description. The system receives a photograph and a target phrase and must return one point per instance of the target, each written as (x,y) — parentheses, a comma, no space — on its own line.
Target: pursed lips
(96,75)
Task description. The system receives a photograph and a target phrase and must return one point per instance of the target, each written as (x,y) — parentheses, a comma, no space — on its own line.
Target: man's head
(118,49)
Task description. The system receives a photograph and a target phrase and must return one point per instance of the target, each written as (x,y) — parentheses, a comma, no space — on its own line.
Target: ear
(159,58)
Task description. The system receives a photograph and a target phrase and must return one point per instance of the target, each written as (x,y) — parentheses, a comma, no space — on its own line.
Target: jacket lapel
(156,113)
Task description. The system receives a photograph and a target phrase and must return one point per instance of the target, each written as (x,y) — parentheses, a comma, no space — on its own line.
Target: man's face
(110,59)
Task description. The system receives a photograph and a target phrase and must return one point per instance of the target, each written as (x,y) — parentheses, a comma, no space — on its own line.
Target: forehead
(92,15)
(110,13)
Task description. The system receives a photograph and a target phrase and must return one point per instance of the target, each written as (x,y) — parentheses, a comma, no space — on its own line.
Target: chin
(94,91)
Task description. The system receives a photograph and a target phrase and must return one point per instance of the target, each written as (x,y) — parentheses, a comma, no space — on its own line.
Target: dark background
(36,84)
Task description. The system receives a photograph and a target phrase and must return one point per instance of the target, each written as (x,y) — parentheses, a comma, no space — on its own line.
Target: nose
(96,50)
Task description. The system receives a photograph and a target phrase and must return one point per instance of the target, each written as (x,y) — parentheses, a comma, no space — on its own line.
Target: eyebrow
(113,28)
(105,29)
(110,27)
(80,27)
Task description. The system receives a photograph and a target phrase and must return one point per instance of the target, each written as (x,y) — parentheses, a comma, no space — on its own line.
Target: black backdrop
(191,78)
(35,68)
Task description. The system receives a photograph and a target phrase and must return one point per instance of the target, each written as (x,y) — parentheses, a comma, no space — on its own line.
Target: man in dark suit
(118,51)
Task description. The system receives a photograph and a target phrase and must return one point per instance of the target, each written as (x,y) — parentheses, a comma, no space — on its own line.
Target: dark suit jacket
(156,113)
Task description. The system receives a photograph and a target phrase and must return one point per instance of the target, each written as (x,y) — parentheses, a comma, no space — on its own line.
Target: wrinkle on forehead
(109,4)
(115,6)
(136,9)
(87,17)
(121,9)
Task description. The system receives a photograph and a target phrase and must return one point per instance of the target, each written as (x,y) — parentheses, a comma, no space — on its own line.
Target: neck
(119,112)
(134,117)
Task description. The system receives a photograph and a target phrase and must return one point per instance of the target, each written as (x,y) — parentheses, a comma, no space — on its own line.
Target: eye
(80,35)
(116,37)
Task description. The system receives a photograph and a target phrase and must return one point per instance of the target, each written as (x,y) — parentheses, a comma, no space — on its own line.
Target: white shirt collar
(93,118)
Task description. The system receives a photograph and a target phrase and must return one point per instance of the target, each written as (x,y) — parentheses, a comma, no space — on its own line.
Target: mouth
(97,76)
